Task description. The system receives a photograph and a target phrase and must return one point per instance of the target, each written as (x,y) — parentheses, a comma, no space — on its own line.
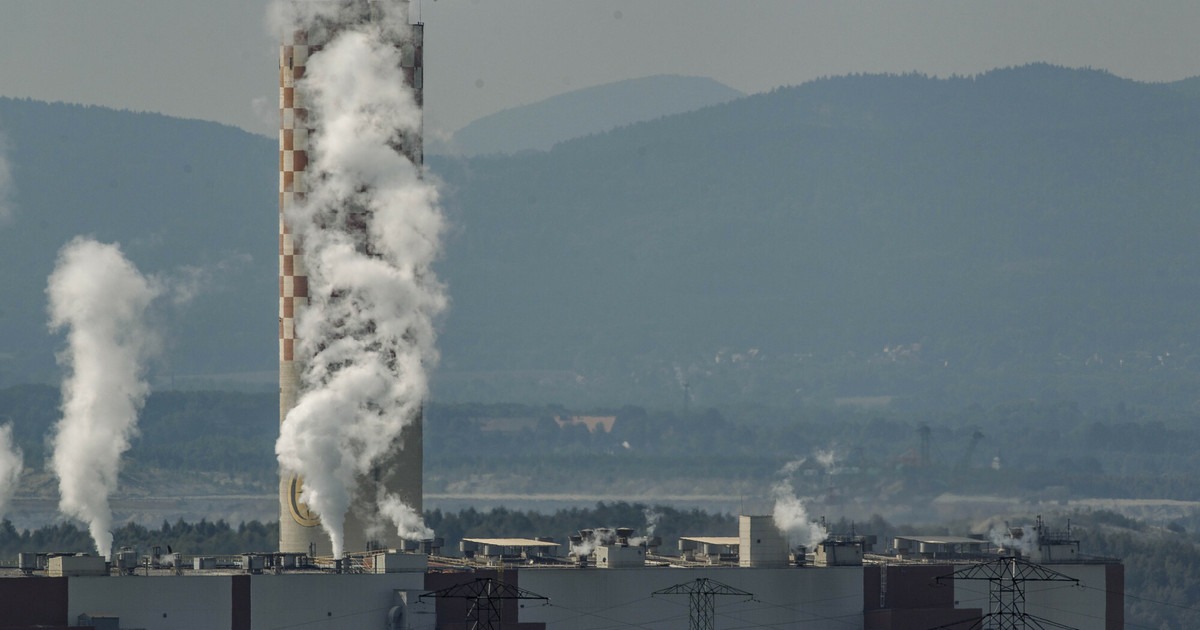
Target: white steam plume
(584,548)
(792,518)
(653,518)
(101,299)
(1023,539)
(389,18)
(790,514)
(12,462)
(403,517)
(370,228)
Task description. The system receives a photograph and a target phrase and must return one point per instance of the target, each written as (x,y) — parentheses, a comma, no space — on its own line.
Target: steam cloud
(790,514)
(791,517)
(11,463)
(591,539)
(653,518)
(101,298)
(370,228)
(1023,539)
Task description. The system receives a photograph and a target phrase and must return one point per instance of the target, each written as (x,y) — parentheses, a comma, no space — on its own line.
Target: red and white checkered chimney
(299,528)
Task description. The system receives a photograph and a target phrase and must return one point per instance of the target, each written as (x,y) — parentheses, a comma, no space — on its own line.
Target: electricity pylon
(1007,576)
(485,597)
(702,604)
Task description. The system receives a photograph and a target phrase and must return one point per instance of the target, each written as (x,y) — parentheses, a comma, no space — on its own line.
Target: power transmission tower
(702,604)
(485,598)
(1007,577)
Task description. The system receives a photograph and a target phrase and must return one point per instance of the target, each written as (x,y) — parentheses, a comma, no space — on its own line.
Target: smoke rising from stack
(11,464)
(653,518)
(389,18)
(100,298)
(370,228)
(791,517)
(790,514)
(1023,539)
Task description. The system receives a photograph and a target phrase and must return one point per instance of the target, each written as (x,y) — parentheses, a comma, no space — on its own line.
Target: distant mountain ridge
(903,240)
(1032,220)
(541,125)
(174,193)
(1190,86)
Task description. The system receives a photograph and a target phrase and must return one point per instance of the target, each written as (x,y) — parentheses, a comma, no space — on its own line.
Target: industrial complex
(593,579)
(603,578)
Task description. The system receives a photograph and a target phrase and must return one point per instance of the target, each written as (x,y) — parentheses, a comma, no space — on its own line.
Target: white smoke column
(101,299)
(1025,543)
(370,228)
(791,517)
(12,462)
(653,518)
(406,520)
(584,548)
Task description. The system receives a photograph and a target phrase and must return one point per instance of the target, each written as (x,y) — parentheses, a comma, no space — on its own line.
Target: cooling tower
(300,529)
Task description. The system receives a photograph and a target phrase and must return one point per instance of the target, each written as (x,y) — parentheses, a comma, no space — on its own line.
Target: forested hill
(193,201)
(1026,233)
(543,124)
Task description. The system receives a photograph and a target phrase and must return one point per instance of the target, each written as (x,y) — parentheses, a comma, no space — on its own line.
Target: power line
(619,623)
(702,594)
(1006,577)
(485,596)
(798,607)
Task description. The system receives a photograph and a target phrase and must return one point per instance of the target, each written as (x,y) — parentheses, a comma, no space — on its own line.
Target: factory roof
(944,540)
(714,540)
(511,542)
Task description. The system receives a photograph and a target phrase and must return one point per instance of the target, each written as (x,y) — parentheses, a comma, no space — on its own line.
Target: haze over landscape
(937,242)
(933,299)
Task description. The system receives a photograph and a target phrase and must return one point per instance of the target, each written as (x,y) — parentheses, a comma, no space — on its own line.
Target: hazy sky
(214,59)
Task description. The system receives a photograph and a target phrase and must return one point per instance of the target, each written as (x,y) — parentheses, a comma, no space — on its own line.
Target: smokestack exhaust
(359,228)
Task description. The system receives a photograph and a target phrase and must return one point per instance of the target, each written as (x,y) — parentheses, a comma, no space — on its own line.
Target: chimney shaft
(299,528)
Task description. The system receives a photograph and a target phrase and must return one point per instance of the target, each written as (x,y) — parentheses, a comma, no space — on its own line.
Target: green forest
(1049,451)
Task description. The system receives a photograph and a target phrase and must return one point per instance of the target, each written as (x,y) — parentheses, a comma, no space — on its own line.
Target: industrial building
(598,579)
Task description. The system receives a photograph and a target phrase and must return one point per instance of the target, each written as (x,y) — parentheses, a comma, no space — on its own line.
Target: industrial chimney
(299,528)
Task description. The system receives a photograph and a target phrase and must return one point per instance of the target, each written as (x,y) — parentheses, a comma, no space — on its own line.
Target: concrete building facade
(872,597)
